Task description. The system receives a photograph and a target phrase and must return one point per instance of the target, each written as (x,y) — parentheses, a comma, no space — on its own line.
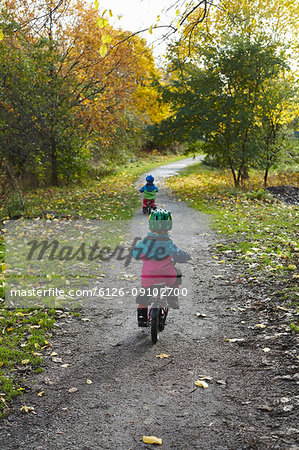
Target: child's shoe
(142,317)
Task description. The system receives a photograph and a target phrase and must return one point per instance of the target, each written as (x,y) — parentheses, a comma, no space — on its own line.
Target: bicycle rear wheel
(154,324)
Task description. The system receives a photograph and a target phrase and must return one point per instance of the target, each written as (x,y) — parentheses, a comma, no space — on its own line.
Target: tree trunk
(54,173)
(244,175)
(235,178)
(239,177)
(266,176)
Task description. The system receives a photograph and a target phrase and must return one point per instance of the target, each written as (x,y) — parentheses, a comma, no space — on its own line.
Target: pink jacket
(154,272)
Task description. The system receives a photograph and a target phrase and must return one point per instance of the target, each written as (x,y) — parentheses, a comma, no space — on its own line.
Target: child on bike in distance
(149,191)
(158,253)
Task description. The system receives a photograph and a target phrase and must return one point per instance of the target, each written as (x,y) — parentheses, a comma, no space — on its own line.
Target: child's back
(158,253)
(149,191)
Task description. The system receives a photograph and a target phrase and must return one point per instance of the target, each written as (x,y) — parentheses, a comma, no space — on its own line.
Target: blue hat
(150,179)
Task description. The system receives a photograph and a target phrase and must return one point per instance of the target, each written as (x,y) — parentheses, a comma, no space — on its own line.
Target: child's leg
(154,206)
(142,316)
(173,300)
(144,202)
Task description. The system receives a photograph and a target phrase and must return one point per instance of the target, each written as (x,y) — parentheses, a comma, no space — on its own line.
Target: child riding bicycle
(158,253)
(149,191)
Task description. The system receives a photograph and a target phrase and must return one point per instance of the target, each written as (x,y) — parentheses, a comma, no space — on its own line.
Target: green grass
(253,227)
(22,343)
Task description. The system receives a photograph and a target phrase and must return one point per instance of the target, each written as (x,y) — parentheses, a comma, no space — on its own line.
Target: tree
(278,107)
(70,96)
(222,99)
(38,130)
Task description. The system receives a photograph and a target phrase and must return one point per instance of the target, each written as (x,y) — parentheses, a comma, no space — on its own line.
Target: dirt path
(248,403)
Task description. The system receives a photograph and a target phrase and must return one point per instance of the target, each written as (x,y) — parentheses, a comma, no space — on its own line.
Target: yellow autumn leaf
(103,50)
(102,23)
(291,267)
(163,355)
(88,381)
(40,394)
(201,383)
(25,361)
(150,30)
(266,349)
(27,409)
(110,13)
(96,4)
(152,440)
(1,35)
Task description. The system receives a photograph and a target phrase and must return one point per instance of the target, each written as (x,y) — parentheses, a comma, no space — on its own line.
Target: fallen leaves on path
(27,409)
(56,360)
(201,383)
(152,440)
(72,390)
(201,315)
(163,355)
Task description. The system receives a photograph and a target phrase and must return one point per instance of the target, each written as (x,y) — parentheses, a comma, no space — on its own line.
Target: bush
(260,194)
(15,206)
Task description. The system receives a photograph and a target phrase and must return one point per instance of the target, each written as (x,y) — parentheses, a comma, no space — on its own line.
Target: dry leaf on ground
(163,355)
(72,390)
(152,440)
(27,409)
(201,383)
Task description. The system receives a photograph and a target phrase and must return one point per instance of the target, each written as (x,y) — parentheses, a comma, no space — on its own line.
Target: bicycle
(156,299)
(157,315)
(147,209)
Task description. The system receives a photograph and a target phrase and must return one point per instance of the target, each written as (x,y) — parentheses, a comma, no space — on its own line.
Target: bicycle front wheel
(154,325)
